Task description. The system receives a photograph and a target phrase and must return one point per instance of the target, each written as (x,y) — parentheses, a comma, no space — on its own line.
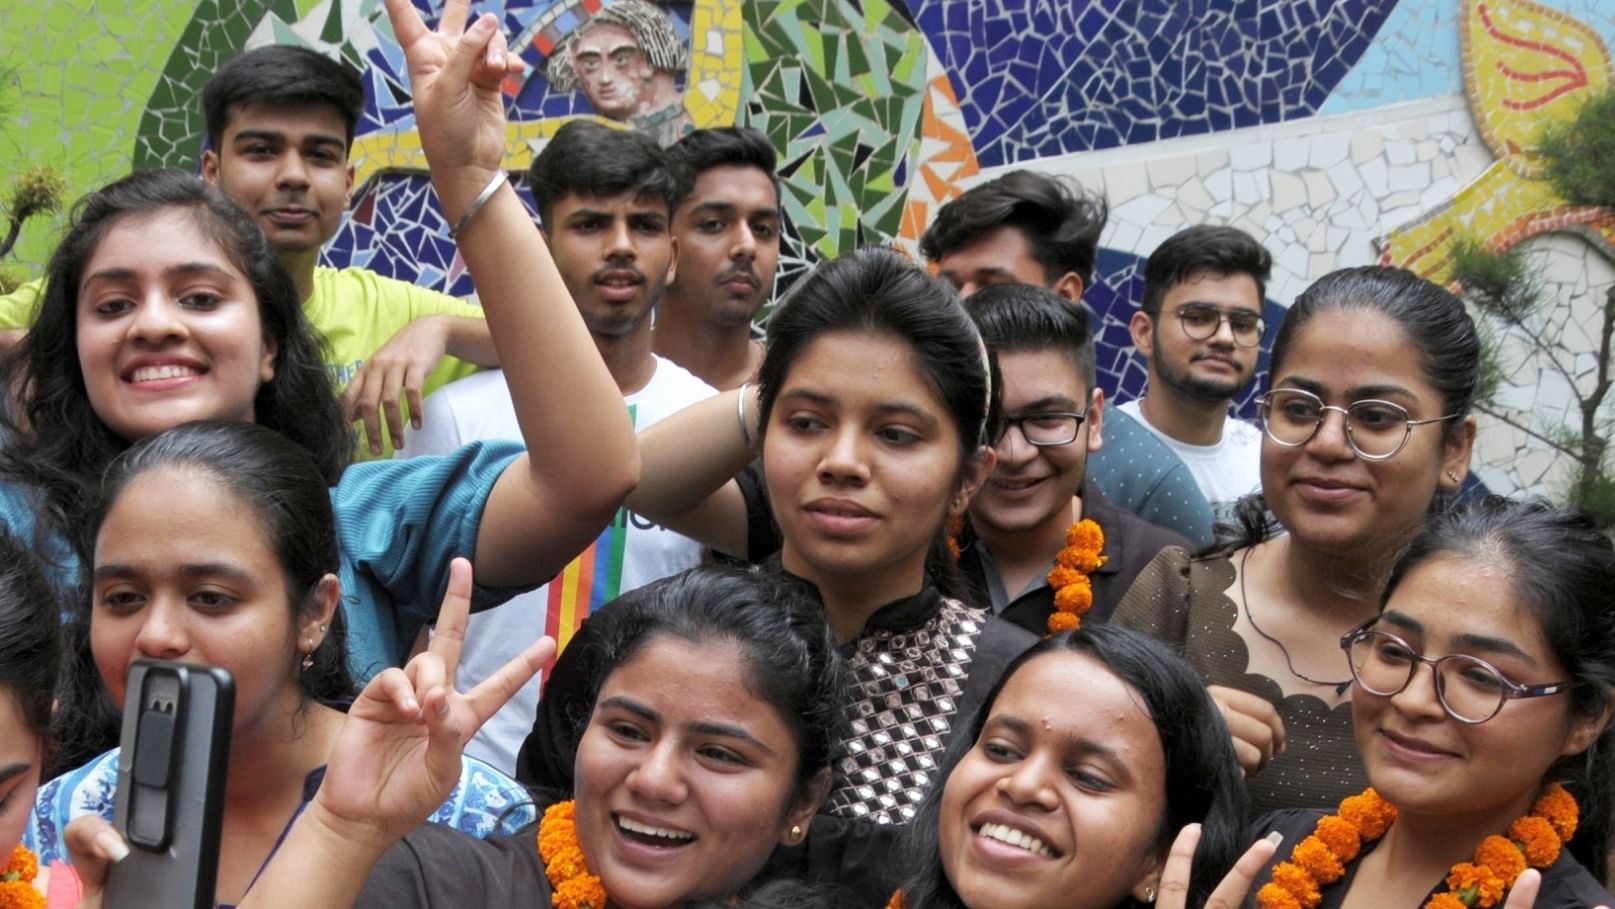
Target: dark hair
(282,75)
(1204,249)
(283,486)
(790,658)
(1061,221)
(1017,318)
(877,291)
(65,458)
(30,640)
(1561,568)
(704,149)
(1203,780)
(1436,324)
(587,159)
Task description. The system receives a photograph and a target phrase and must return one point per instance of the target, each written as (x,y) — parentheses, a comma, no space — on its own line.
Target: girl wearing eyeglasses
(1481,703)
(1366,429)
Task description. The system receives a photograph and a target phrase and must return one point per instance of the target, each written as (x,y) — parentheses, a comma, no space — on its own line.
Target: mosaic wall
(1341,132)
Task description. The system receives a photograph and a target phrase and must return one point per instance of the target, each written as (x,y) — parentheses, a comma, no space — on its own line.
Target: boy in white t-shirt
(605,200)
(1199,328)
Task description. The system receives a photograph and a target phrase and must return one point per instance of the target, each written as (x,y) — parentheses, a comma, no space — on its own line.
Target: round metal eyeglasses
(1375,429)
(1201,321)
(1046,430)
(1470,689)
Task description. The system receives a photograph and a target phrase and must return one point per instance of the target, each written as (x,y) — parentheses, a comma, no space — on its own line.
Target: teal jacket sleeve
(399,523)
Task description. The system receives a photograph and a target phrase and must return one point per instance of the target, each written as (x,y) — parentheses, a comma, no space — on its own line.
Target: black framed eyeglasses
(1470,689)
(1375,429)
(1046,430)
(1201,321)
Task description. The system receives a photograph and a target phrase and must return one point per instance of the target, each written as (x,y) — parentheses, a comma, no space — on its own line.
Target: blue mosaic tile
(1103,73)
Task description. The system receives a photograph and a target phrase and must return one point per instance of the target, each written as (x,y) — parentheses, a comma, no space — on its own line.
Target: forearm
(582,457)
(688,456)
(467,338)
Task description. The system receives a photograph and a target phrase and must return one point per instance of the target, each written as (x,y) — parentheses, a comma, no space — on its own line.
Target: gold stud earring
(796,834)
(1453,475)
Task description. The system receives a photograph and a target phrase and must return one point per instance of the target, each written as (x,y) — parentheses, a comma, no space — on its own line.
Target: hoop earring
(1149,892)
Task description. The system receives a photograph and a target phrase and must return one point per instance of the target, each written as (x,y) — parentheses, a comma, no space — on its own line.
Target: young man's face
(1213,368)
(999,256)
(1034,485)
(287,165)
(728,232)
(616,256)
(611,69)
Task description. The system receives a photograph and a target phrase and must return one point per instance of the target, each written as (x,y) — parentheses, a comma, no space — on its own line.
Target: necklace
(1251,618)
(575,887)
(1319,860)
(1073,588)
(17,881)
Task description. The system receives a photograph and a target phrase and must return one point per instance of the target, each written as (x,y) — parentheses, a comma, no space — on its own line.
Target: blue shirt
(1137,472)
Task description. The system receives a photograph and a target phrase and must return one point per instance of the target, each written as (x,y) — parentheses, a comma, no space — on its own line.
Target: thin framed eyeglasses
(1046,430)
(1201,321)
(1470,689)
(1375,429)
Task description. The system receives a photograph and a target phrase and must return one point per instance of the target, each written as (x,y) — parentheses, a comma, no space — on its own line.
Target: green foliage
(1492,370)
(1577,155)
(37,189)
(1595,495)
(1501,284)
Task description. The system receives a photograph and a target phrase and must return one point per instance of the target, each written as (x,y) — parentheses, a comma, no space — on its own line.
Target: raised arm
(581,455)
(688,464)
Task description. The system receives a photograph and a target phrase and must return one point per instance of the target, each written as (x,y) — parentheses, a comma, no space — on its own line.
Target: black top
(437,867)
(1130,543)
(1566,885)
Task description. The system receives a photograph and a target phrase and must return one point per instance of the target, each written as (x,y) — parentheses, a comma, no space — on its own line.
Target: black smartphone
(173,756)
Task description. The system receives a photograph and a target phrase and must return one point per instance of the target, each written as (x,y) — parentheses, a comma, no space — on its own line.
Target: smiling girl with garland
(1481,703)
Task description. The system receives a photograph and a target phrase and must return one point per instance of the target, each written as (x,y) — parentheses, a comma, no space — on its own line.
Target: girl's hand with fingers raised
(454,75)
(398,756)
(1230,892)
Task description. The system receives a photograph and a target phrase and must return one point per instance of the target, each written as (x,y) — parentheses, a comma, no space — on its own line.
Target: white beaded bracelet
(500,178)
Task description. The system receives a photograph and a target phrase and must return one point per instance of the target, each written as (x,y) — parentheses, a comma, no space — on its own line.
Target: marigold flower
(1316,859)
(1537,840)
(1076,598)
(1272,896)
(1340,835)
(20,895)
(1559,808)
(584,892)
(1060,575)
(22,866)
(1085,534)
(1502,857)
(1371,814)
(1446,900)
(1475,884)
(1064,621)
(1294,878)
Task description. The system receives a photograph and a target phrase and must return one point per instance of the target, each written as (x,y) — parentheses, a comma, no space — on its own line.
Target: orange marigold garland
(17,881)
(1073,588)
(564,865)
(1319,860)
